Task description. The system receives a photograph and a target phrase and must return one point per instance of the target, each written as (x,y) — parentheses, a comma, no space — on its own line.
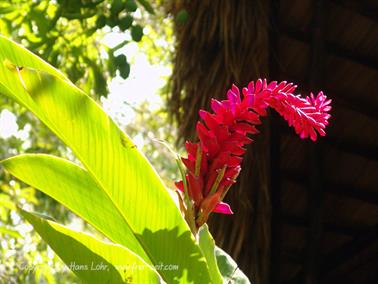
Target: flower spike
(213,163)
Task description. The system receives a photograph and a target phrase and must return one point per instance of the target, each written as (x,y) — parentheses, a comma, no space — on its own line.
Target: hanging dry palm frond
(222,42)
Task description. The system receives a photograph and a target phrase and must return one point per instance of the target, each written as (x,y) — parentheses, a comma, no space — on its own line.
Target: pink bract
(213,163)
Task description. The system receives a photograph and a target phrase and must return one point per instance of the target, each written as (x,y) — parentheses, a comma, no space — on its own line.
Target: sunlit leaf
(92,260)
(72,186)
(207,245)
(229,269)
(110,158)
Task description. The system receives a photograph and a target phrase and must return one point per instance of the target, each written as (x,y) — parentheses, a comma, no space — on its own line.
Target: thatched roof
(304,213)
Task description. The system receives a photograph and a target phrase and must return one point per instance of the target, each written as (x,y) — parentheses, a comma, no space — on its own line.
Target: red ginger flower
(213,163)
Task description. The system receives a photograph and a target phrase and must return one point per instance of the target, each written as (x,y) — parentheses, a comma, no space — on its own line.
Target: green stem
(217,180)
(189,216)
(197,167)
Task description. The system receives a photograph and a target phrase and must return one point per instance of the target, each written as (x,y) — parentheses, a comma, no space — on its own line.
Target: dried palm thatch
(221,43)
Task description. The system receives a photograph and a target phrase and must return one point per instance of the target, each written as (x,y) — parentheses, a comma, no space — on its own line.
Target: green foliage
(110,158)
(92,260)
(26,261)
(146,6)
(125,22)
(122,65)
(30,261)
(86,198)
(136,32)
(153,134)
(97,66)
(130,5)
(75,47)
(207,245)
(230,271)
(42,27)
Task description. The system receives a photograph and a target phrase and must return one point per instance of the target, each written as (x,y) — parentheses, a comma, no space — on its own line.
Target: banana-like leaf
(92,260)
(207,245)
(111,159)
(72,186)
(230,271)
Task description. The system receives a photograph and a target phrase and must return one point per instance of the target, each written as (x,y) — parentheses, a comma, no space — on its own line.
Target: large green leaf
(111,159)
(72,186)
(207,245)
(230,271)
(92,260)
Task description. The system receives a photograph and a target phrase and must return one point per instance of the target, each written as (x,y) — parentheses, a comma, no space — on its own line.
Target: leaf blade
(71,185)
(207,245)
(230,271)
(91,260)
(110,158)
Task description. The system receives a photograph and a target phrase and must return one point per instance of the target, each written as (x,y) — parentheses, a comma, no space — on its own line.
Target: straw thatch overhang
(305,212)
